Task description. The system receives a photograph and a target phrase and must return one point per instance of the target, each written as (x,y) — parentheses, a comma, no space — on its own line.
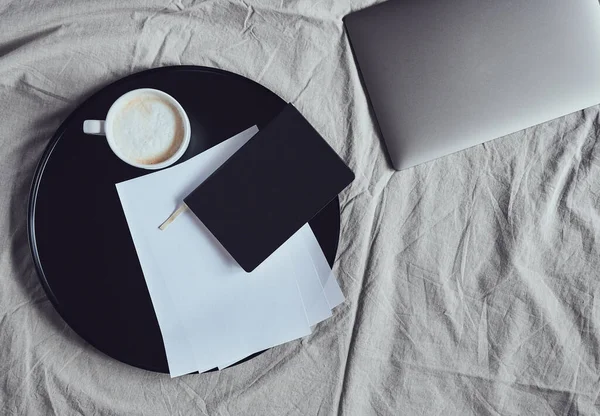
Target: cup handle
(95,127)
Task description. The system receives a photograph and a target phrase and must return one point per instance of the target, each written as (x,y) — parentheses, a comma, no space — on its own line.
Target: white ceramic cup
(105,127)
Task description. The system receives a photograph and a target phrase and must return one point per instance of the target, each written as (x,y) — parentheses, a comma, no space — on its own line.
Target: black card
(270,188)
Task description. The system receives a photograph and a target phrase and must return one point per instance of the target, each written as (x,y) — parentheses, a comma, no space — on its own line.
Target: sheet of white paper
(227,311)
(332,290)
(239,311)
(313,297)
(178,349)
(328,285)
(327,282)
(309,284)
(180,355)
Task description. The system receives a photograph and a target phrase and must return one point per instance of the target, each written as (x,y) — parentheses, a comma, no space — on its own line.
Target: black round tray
(81,246)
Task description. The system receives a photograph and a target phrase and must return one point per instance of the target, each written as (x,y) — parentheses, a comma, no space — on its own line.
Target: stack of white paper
(210,311)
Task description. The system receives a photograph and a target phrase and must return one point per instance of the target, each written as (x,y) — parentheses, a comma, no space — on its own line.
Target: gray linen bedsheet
(471,281)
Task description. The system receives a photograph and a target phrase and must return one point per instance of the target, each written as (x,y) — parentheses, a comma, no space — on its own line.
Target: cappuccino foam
(148,129)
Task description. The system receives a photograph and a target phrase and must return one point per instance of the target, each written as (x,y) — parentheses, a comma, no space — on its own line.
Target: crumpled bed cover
(471,281)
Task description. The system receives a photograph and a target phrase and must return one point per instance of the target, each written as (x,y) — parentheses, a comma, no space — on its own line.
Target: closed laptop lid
(444,76)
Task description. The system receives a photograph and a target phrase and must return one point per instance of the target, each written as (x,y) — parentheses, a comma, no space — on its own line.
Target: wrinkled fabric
(471,281)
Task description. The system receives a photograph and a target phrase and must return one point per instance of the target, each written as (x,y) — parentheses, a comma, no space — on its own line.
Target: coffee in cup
(145,128)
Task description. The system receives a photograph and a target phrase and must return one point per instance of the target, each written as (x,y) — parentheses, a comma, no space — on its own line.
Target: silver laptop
(446,75)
